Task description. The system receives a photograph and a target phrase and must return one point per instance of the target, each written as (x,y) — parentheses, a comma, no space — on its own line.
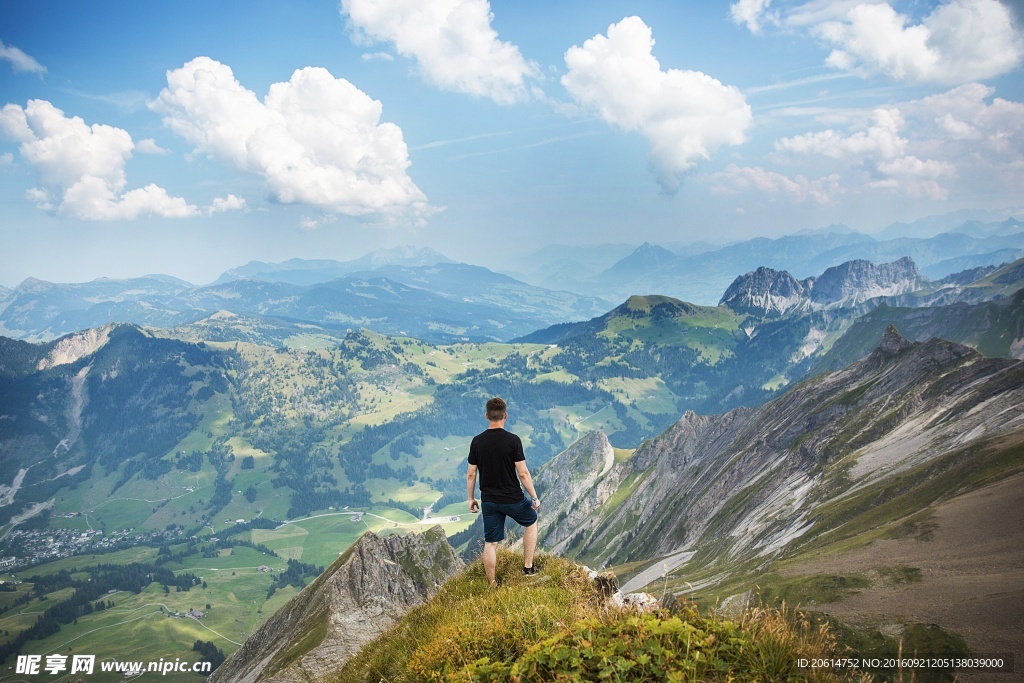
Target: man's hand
(474,506)
(535,503)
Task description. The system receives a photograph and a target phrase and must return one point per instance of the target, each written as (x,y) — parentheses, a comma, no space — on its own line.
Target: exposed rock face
(569,486)
(857,281)
(767,292)
(751,482)
(362,593)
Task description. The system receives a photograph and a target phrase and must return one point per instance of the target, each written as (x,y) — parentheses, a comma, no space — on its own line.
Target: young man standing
(498,456)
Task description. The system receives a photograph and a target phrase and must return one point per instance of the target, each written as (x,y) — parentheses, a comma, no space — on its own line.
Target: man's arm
(527,480)
(471,488)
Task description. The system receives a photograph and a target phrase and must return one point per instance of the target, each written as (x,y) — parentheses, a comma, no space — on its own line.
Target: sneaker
(529,571)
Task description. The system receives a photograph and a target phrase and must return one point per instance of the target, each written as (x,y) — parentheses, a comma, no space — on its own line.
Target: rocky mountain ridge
(767,292)
(363,592)
(754,481)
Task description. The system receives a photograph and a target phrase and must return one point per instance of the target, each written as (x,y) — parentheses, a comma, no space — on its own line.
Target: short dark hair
(496,409)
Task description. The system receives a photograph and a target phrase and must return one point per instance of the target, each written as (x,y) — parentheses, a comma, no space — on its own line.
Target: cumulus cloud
(751,13)
(223,204)
(149,146)
(957,42)
(19,60)
(883,151)
(316,140)
(452,41)
(685,115)
(961,40)
(735,180)
(81,168)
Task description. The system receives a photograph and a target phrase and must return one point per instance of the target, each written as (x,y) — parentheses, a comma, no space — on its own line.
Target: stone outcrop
(362,593)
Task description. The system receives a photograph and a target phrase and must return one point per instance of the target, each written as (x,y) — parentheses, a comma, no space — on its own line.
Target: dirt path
(972,571)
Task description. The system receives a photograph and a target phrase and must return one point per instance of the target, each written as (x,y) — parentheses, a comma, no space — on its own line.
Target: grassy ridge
(557,626)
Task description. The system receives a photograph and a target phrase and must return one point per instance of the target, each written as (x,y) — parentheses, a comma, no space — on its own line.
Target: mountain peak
(764,291)
(893,342)
(363,592)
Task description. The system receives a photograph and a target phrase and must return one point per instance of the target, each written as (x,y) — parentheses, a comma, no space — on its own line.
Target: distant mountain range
(443,302)
(700,273)
(313,271)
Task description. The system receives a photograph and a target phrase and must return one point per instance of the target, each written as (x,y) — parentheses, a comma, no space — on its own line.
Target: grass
(558,626)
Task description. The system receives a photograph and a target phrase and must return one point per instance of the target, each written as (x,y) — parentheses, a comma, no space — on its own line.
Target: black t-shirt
(495,452)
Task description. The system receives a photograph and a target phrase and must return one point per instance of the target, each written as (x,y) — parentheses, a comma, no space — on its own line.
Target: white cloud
(316,139)
(19,60)
(881,140)
(223,204)
(452,41)
(82,168)
(685,115)
(981,134)
(957,42)
(6,159)
(751,13)
(382,56)
(149,146)
(735,180)
(961,40)
(881,150)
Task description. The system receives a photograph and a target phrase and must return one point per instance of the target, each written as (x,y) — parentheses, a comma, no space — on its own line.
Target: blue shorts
(495,514)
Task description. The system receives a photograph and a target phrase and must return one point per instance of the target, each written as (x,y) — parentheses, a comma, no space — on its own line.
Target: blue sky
(190,137)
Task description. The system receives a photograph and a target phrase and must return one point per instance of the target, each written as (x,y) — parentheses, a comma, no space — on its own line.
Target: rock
(360,595)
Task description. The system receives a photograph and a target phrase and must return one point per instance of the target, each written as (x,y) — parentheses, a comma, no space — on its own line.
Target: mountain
(995,328)
(41,310)
(565,267)
(836,462)
(370,301)
(474,284)
(96,403)
(372,584)
(441,302)
(702,277)
(1011,226)
(644,259)
(768,292)
(312,271)
(963,220)
(906,405)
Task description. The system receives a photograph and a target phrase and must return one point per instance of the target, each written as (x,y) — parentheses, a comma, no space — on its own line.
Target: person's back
(496,452)
(498,456)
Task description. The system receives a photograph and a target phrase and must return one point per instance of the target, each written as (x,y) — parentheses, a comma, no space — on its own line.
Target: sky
(188,137)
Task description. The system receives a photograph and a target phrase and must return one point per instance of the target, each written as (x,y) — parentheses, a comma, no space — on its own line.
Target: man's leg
(529,544)
(491,562)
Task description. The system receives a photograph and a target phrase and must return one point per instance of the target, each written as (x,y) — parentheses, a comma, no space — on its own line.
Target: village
(28,547)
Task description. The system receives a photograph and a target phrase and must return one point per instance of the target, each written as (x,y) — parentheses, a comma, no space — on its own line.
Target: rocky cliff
(768,293)
(756,481)
(362,593)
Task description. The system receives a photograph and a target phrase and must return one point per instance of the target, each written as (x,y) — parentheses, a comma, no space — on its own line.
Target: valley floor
(971,565)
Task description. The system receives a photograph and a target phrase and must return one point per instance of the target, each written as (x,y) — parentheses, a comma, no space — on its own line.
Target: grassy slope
(556,626)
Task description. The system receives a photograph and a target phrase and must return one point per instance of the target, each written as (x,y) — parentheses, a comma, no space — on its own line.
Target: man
(498,456)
